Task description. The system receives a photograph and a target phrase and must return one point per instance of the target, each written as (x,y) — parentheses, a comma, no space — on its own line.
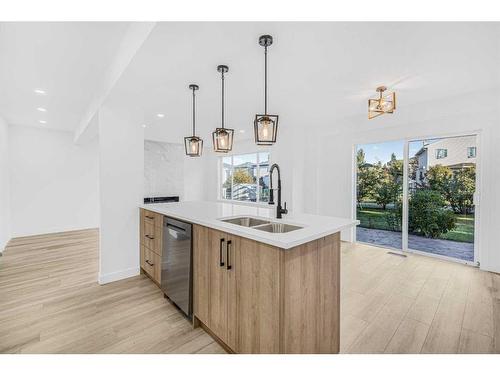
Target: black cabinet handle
(150,237)
(228,267)
(148,262)
(221,262)
(150,217)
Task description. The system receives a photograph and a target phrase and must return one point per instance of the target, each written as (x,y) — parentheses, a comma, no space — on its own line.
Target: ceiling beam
(132,41)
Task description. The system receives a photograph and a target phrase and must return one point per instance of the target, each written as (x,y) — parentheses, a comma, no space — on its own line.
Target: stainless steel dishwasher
(176,269)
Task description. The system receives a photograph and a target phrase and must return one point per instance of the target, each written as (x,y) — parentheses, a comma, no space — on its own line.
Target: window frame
(474,154)
(445,152)
(220,165)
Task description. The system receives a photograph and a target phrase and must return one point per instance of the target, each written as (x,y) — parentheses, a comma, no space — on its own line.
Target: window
(245,177)
(471,152)
(441,153)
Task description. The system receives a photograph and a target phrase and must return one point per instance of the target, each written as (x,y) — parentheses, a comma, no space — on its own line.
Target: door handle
(148,262)
(228,267)
(175,227)
(221,262)
(150,237)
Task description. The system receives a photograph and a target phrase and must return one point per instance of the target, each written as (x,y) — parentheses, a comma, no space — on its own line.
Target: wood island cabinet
(257,298)
(253,297)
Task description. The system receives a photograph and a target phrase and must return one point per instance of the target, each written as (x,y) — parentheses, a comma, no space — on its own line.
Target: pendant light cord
(265,80)
(222,74)
(194,119)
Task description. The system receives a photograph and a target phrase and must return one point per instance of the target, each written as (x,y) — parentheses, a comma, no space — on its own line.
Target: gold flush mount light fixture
(385,103)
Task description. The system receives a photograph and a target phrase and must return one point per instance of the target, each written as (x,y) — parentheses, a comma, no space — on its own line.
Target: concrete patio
(459,250)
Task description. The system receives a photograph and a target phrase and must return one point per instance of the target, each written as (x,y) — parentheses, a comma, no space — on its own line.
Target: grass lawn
(464,230)
(372,218)
(376,219)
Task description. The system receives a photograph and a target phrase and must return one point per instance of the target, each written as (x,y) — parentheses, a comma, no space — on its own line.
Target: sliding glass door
(418,195)
(441,189)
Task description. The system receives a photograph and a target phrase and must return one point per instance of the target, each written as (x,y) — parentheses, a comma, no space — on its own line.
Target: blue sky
(375,152)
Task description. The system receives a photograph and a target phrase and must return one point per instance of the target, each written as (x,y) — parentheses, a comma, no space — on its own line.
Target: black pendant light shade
(223,137)
(265,126)
(193,144)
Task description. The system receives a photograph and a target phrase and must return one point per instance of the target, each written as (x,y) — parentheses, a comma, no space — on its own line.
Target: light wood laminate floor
(50,302)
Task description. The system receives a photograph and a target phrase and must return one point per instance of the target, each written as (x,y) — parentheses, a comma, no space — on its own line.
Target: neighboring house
(455,153)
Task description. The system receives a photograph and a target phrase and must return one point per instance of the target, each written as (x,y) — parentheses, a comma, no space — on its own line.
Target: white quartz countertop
(209,214)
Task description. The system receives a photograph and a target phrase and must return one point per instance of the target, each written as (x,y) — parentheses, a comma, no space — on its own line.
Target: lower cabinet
(215,264)
(258,298)
(151,264)
(151,244)
(258,291)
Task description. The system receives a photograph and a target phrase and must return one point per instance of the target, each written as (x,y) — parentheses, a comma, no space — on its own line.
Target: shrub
(428,215)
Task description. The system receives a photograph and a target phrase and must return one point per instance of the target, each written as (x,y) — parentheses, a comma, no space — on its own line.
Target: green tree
(240,176)
(461,190)
(367,182)
(439,179)
(412,168)
(395,169)
(385,188)
(360,157)
(389,184)
(367,177)
(456,187)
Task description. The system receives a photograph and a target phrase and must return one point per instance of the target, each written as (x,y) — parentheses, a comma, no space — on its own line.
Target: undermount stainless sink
(278,228)
(260,224)
(245,221)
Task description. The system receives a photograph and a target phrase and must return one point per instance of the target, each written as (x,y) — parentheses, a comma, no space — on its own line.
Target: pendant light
(385,103)
(265,126)
(223,137)
(193,144)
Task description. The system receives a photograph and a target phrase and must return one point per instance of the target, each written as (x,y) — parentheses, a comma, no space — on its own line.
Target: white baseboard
(119,275)
(3,246)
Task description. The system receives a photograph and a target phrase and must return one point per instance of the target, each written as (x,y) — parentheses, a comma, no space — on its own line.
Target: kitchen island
(256,289)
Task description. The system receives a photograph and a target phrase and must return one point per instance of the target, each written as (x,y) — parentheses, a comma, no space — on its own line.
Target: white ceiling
(318,72)
(66,59)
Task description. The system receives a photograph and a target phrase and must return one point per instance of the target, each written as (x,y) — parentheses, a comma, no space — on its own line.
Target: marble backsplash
(163,169)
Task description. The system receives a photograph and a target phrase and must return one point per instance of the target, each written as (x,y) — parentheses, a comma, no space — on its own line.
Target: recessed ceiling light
(40,91)
(160,115)
(242,131)
(42,122)
(143,125)
(41,109)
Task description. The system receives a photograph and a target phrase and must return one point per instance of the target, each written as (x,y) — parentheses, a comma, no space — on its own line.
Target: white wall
(54,183)
(199,180)
(121,153)
(5,218)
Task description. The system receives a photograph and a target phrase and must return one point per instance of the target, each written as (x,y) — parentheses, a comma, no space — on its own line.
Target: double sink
(260,224)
